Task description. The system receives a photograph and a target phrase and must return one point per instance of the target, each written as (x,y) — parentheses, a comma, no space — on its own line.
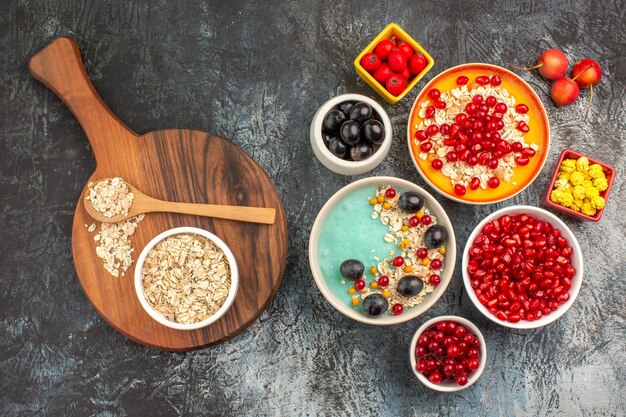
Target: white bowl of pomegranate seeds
(522,267)
(448,353)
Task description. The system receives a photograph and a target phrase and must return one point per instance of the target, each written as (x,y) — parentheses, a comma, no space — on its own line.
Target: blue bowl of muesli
(382,250)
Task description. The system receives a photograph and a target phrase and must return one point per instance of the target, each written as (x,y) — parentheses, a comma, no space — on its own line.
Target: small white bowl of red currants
(351,134)
(448,353)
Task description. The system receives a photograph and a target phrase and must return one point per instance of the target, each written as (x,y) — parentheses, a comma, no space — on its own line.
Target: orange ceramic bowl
(539,134)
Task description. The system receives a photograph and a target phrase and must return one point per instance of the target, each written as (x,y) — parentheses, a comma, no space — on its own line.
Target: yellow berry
(373,270)
(408,269)
(442,250)
(387,205)
(406,242)
(351,291)
(381,199)
(405,228)
(355,301)
(401,245)
(425,261)
(419,214)
(373,201)
(386,294)
(374,284)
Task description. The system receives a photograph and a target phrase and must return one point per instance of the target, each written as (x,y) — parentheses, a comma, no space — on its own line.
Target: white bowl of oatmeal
(186,278)
(352,226)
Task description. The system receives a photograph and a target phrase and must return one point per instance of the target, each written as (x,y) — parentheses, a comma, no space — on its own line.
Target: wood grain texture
(174,165)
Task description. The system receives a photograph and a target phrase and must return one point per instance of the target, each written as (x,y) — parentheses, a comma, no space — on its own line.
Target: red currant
(390,193)
(436,264)
(426,219)
(435,377)
(434,280)
(359,284)
(397,309)
(398,261)
(461,379)
(414,221)
(383,280)
(422,253)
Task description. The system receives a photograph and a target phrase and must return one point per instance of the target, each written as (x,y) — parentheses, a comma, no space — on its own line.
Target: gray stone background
(255,73)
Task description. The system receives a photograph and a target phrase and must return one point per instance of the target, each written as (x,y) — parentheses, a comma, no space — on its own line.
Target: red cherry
(397,61)
(417,63)
(395,85)
(359,284)
(390,193)
(384,48)
(398,261)
(370,61)
(397,309)
(462,80)
(383,280)
(406,50)
(383,73)
(434,280)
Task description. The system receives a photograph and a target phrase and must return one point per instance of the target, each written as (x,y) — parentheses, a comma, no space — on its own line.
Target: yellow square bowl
(392,30)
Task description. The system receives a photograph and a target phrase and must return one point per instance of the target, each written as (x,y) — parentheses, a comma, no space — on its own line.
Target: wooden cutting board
(177,165)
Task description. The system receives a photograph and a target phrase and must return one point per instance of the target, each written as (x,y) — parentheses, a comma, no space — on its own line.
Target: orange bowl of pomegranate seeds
(478,134)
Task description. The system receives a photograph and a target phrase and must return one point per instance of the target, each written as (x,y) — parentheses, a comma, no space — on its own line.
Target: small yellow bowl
(392,30)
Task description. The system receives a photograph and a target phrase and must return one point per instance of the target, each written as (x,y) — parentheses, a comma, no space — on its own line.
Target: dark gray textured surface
(256,74)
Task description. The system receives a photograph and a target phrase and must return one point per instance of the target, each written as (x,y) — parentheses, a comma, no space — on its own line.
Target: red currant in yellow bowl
(478,134)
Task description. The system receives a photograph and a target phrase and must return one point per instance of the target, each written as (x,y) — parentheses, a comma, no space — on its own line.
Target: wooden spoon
(143,203)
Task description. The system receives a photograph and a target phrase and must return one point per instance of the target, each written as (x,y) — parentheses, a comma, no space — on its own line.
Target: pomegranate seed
(501,108)
(440,104)
(459,189)
(452,156)
(390,193)
(493,182)
(491,101)
(434,94)
(477,99)
(437,164)
(521,161)
(528,152)
(462,80)
(521,108)
(470,108)
(482,80)
(474,183)
(460,118)
(426,146)
(517,146)
(496,80)
(522,127)
(430,112)
(421,135)
(492,163)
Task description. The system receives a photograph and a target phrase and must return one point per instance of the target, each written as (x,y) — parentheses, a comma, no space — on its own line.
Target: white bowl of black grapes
(351,134)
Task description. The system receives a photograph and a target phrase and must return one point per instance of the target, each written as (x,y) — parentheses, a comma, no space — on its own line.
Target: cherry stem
(581,73)
(589,104)
(527,68)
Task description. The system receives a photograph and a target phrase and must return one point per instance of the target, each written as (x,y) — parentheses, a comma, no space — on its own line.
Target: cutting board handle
(61,69)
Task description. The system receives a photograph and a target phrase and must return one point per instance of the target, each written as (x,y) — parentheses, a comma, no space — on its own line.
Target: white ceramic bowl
(339,165)
(577,262)
(429,300)
(447,385)
(234,279)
